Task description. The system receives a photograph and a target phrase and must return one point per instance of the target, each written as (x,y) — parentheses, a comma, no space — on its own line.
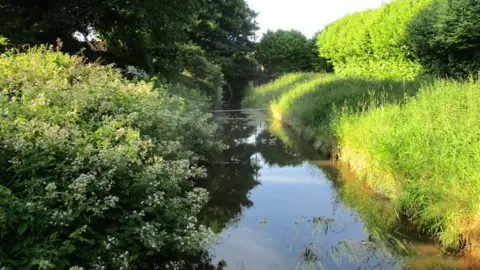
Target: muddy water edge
(277,204)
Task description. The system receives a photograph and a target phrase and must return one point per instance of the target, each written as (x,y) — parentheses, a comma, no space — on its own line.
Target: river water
(276,204)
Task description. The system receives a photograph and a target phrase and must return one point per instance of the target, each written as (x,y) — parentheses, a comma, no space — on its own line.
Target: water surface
(277,204)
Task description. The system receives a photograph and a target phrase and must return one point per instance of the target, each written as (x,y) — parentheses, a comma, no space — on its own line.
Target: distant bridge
(241,110)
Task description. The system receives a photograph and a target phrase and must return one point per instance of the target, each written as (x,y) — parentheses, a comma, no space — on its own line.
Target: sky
(307,16)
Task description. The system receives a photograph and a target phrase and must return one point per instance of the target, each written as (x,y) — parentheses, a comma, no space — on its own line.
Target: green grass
(430,149)
(417,142)
(307,101)
(262,95)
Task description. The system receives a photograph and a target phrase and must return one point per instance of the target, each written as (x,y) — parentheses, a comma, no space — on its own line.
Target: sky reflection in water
(293,214)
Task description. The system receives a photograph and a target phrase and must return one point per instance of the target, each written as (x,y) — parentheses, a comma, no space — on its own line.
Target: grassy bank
(307,101)
(415,141)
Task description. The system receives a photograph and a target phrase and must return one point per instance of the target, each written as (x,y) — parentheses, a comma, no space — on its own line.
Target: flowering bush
(95,171)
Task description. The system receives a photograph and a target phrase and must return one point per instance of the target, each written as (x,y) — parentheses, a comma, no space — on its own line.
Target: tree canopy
(445,37)
(225,29)
(373,42)
(284,51)
(153,35)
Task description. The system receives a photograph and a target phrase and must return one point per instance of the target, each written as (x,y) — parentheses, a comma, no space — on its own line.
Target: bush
(373,42)
(3,43)
(198,72)
(95,170)
(445,37)
(284,51)
(318,63)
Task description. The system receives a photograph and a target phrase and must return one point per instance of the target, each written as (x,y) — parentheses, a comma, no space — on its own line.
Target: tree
(445,37)
(151,35)
(130,23)
(317,62)
(284,51)
(225,30)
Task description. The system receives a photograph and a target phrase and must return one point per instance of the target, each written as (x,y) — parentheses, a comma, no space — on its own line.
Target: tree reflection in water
(235,174)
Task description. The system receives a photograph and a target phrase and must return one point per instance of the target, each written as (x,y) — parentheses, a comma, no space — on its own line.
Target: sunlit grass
(271,91)
(418,142)
(430,148)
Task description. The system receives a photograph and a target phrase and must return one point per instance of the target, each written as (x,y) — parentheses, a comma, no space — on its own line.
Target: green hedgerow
(95,170)
(445,37)
(373,43)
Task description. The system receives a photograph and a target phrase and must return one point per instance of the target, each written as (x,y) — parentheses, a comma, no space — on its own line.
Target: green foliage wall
(150,35)
(224,30)
(96,171)
(373,42)
(445,37)
(284,51)
(317,62)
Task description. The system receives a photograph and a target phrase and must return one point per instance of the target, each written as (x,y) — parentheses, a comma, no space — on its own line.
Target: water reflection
(276,206)
(232,176)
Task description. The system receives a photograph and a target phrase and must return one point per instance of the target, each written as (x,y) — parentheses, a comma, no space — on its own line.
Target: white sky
(307,16)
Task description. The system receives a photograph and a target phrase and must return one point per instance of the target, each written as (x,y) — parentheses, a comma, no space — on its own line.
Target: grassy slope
(423,151)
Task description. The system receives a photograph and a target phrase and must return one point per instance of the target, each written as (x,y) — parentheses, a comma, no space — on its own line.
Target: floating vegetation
(263,222)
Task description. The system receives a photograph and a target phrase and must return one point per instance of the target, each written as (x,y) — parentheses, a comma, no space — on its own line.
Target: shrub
(198,72)
(445,37)
(3,43)
(317,62)
(95,170)
(284,51)
(373,42)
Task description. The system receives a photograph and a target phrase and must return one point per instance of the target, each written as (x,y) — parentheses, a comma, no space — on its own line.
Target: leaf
(29,240)
(5,190)
(18,246)
(21,230)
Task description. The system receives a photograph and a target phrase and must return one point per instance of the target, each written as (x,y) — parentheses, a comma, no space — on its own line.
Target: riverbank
(414,141)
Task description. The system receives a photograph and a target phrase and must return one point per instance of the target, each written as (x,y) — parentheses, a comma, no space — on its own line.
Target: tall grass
(262,95)
(390,231)
(430,151)
(416,141)
(307,101)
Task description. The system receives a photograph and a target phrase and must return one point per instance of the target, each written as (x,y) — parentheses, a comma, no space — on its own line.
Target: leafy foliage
(149,35)
(373,43)
(284,51)
(199,73)
(445,37)
(129,28)
(3,41)
(317,62)
(224,31)
(95,170)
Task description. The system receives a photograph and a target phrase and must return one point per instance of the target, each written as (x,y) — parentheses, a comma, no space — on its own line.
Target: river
(276,204)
